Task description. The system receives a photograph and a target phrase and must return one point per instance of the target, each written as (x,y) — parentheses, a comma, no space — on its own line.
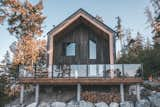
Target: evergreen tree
(3,13)
(7,58)
(154,21)
(4,98)
(148,44)
(119,30)
(25,23)
(120,36)
(6,61)
(139,42)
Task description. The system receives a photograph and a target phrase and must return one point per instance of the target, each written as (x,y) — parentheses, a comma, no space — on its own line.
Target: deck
(82,81)
(100,74)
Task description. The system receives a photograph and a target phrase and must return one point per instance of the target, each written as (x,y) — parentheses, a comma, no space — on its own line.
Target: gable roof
(80,13)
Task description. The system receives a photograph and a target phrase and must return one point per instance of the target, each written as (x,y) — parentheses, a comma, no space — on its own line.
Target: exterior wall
(81,34)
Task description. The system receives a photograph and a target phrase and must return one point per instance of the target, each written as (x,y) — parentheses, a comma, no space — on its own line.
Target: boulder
(113,104)
(86,104)
(72,104)
(44,104)
(32,105)
(145,93)
(158,94)
(154,100)
(14,105)
(127,104)
(58,104)
(142,103)
(101,104)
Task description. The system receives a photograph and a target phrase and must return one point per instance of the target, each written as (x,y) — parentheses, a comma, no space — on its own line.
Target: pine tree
(42,58)
(2,12)
(120,36)
(6,61)
(154,21)
(148,44)
(25,23)
(4,98)
(139,42)
(119,30)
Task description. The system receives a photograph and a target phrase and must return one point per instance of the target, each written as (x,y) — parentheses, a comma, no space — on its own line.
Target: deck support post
(22,94)
(37,93)
(122,92)
(138,92)
(78,92)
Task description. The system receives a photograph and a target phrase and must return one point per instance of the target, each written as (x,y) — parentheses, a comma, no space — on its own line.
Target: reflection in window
(100,70)
(92,49)
(92,70)
(71,49)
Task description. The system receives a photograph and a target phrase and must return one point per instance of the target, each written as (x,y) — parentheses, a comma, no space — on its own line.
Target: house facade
(81,39)
(81,51)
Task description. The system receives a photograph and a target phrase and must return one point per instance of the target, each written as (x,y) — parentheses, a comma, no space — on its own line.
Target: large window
(92,49)
(70,49)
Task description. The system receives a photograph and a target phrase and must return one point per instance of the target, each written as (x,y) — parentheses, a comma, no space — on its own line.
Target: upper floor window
(70,49)
(92,49)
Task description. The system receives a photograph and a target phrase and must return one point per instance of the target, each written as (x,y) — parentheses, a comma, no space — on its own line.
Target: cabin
(81,51)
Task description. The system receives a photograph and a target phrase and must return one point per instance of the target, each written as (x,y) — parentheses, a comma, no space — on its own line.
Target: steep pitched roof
(75,16)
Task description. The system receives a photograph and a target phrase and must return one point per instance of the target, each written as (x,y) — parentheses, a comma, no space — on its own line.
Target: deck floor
(82,81)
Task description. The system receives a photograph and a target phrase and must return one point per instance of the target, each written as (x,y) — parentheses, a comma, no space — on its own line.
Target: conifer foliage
(25,23)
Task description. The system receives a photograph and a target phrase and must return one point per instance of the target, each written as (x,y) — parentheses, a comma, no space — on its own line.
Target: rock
(158,94)
(145,93)
(44,104)
(58,104)
(154,100)
(113,104)
(142,103)
(32,105)
(72,104)
(132,90)
(14,105)
(127,104)
(101,104)
(86,104)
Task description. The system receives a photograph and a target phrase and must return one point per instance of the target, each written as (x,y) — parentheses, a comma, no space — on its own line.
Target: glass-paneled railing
(87,70)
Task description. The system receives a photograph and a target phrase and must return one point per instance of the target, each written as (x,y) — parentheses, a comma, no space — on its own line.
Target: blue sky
(130,11)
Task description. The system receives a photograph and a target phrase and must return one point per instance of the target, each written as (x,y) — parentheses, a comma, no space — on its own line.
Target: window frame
(65,49)
(89,49)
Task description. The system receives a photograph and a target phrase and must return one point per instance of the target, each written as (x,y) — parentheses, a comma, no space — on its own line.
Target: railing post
(123,71)
(52,71)
(142,76)
(78,92)
(35,71)
(97,70)
(87,70)
(104,71)
(22,94)
(122,92)
(17,74)
(138,92)
(37,93)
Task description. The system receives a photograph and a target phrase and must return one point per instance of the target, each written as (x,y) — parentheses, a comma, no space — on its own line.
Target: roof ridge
(81,10)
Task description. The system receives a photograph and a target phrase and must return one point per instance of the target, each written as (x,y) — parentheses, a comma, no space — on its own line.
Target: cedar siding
(81,34)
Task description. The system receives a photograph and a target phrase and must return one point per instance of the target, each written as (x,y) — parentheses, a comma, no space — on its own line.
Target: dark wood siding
(81,34)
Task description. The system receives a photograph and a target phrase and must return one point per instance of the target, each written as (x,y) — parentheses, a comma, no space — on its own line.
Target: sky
(130,11)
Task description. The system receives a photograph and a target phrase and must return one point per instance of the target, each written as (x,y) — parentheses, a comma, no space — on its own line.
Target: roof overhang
(86,16)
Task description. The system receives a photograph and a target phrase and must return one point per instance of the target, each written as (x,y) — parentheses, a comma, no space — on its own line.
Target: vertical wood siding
(81,34)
